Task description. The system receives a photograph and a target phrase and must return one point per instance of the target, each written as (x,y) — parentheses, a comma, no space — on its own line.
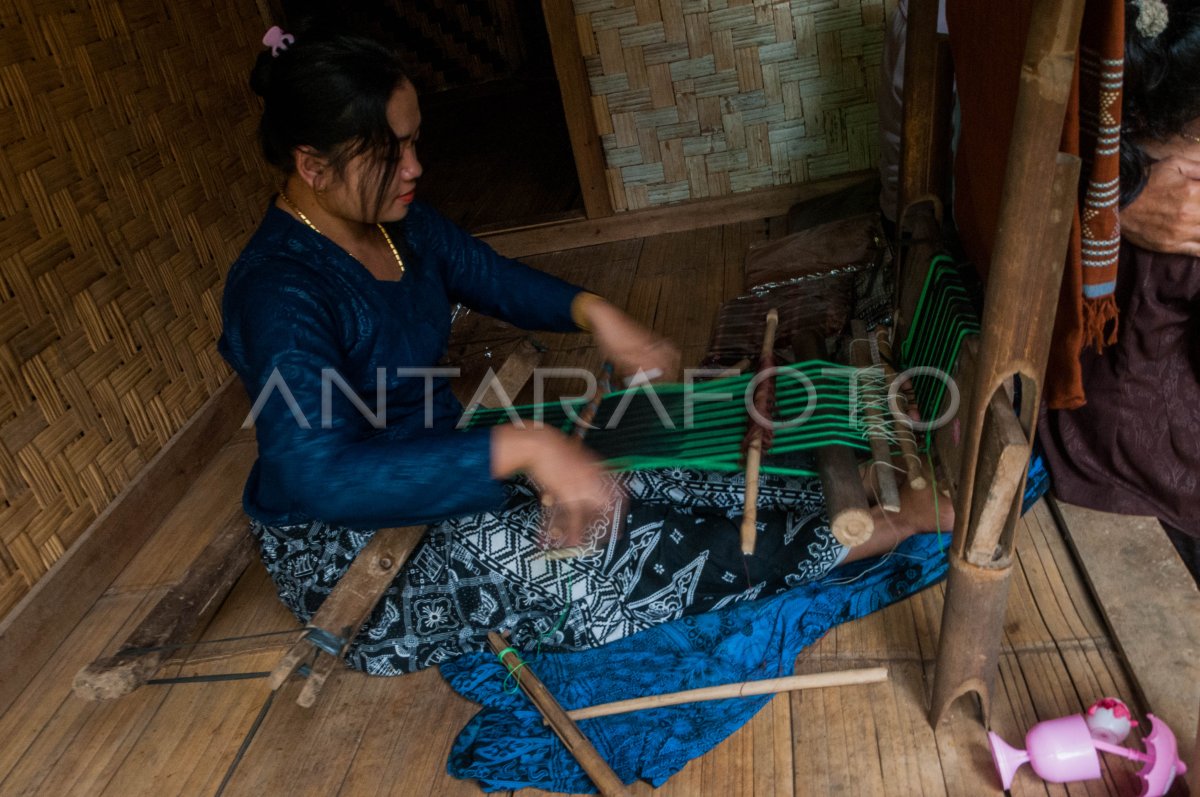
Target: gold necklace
(291,205)
(1190,137)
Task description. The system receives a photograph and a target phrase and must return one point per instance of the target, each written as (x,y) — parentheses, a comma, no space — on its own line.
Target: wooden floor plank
(32,725)
(191,739)
(84,745)
(1151,604)
(197,730)
(190,525)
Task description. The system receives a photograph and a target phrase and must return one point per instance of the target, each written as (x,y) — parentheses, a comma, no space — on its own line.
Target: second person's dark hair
(1161,88)
(330,92)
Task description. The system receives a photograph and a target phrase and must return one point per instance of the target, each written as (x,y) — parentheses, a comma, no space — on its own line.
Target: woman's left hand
(629,346)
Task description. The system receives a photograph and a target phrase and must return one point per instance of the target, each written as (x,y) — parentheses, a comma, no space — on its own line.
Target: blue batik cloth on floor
(506,745)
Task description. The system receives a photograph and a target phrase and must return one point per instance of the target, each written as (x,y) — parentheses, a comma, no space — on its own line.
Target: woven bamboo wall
(451,43)
(129,180)
(704,98)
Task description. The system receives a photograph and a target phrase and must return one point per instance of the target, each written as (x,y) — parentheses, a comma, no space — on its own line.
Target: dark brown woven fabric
(1134,448)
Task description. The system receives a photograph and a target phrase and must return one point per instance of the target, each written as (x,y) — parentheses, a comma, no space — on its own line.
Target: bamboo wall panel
(705,98)
(129,180)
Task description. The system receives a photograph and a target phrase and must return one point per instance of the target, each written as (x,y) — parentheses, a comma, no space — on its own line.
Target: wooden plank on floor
(1151,604)
(368,735)
(195,734)
(190,740)
(249,634)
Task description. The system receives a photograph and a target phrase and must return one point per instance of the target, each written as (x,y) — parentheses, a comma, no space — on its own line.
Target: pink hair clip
(277,40)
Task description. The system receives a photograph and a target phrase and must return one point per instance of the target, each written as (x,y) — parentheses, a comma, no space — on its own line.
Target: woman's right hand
(1165,217)
(574,486)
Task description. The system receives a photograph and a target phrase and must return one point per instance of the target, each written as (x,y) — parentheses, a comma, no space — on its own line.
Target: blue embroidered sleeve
(480,278)
(330,463)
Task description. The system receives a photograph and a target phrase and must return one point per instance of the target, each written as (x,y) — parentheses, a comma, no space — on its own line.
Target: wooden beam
(348,606)
(1150,604)
(1018,322)
(177,618)
(1018,319)
(749,206)
(577,106)
(914,258)
(845,497)
(30,634)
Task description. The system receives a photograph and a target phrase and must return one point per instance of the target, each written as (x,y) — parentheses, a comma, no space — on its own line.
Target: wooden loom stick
(901,426)
(563,726)
(347,607)
(176,619)
(749,532)
(766,686)
(881,449)
(845,498)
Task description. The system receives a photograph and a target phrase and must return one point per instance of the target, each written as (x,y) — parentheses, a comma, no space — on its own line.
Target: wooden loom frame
(989,462)
(1000,438)
(991,468)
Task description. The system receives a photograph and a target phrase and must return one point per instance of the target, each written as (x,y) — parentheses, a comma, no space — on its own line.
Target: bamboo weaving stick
(766,686)
(749,532)
(901,426)
(881,449)
(563,726)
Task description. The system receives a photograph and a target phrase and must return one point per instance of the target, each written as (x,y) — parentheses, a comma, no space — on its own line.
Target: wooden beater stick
(749,533)
(766,686)
(901,426)
(563,726)
(881,450)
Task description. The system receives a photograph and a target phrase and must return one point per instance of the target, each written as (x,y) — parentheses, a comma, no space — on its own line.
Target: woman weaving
(348,275)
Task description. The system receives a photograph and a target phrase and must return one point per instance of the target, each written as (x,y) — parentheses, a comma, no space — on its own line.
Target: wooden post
(563,726)
(577,105)
(1018,318)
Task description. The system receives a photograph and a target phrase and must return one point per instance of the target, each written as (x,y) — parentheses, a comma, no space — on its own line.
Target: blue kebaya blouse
(305,324)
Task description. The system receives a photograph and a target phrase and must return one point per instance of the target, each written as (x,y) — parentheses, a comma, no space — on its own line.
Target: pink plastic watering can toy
(1068,749)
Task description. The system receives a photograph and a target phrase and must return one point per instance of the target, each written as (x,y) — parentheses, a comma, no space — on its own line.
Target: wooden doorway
(508,138)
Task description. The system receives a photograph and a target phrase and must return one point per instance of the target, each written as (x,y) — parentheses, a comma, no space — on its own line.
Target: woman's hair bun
(260,75)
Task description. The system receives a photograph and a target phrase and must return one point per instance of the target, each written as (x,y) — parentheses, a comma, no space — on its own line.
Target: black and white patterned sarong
(679,553)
